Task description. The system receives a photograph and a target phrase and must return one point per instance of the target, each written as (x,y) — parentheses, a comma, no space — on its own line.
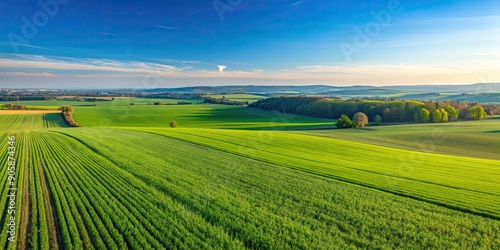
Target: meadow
(194,116)
(478,139)
(239,178)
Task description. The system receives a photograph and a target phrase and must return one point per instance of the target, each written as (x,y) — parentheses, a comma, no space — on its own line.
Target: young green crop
(193,116)
(439,179)
(478,139)
(264,205)
(20,121)
(240,189)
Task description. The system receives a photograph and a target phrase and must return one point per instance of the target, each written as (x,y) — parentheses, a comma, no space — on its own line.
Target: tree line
(67,111)
(224,101)
(14,107)
(383,111)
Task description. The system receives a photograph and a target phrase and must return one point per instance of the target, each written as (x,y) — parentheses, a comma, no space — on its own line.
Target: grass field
(471,186)
(194,116)
(480,139)
(240,178)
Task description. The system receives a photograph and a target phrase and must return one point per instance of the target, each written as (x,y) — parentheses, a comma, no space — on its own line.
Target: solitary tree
(173,124)
(360,119)
(344,122)
(9,106)
(476,113)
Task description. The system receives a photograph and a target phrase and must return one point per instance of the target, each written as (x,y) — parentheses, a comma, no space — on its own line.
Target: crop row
(466,184)
(154,192)
(20,178)
(263,205)
(18,122)
(93,198)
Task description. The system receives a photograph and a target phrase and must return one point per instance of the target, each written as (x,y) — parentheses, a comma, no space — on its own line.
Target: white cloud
(26,74)
(85,64)
(221,68)
(343,74)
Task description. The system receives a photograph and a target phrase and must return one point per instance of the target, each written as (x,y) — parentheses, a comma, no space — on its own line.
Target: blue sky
(72,43)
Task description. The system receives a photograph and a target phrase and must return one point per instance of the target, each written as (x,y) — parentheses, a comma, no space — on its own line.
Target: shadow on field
(230,114)
(54,120)
(367,129)
(493,132)
(255,119)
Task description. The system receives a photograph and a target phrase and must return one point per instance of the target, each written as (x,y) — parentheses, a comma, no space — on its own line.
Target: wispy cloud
(107,34)
(26,74)
(343,74)
(25,45)
(167,27)
(106,76)
(233,62)
(178,61)
(85,64)
(297,3)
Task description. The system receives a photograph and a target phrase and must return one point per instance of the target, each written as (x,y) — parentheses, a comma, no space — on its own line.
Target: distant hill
(311,89)
(480,92)
(472,88)
(341,90)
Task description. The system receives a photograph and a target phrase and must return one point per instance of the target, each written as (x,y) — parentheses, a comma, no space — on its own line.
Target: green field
(240,178)
(479,139)
(471,186)
(193,116)
(9,123)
